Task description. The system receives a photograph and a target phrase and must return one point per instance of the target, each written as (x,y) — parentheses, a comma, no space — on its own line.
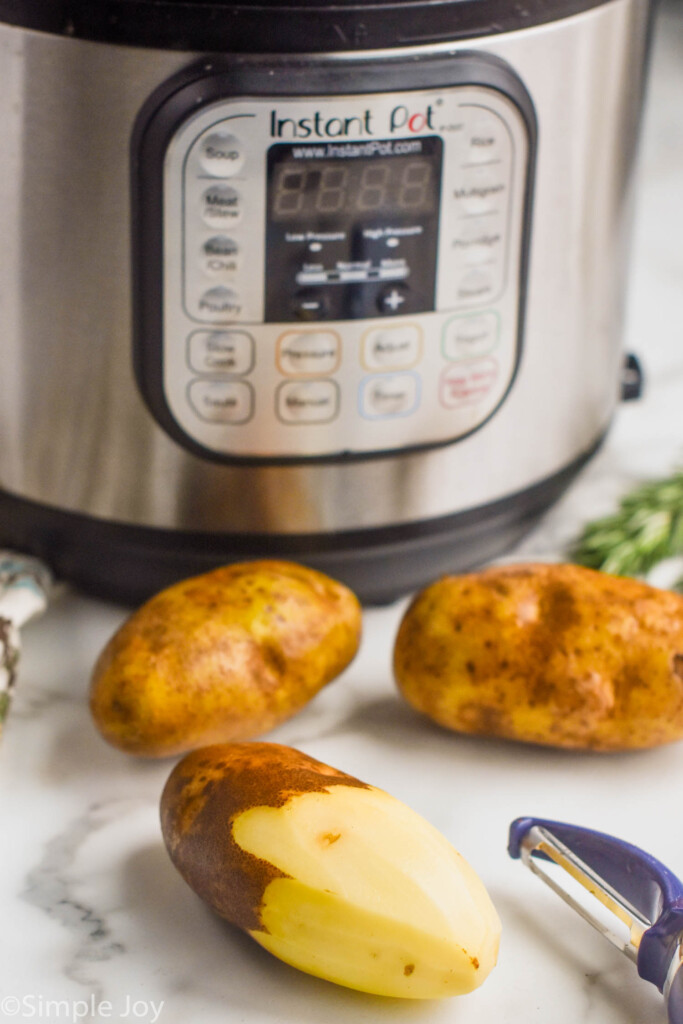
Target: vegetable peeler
(639,890)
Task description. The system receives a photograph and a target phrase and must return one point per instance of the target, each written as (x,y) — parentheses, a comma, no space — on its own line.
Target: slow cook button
(308,352)
(221,206)
(221,154)
(221,352)
(468,336)
(307,401)
(392,348)
(467,383)
(395,394)
(227,401)
(222,303)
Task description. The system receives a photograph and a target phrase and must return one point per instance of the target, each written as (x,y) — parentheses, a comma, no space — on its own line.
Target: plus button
(391,301)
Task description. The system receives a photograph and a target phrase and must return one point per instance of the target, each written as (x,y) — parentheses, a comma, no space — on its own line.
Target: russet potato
(550,654)
(223,656)
(331,875)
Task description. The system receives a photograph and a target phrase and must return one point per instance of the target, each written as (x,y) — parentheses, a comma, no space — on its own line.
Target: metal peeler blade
(640,891)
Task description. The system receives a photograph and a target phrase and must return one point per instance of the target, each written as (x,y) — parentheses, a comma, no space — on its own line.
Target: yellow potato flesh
(376,898)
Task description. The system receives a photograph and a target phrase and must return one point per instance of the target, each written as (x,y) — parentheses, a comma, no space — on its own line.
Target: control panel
(342,275)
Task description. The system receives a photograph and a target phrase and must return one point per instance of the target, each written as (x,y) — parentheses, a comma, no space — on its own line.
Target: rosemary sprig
(646,529)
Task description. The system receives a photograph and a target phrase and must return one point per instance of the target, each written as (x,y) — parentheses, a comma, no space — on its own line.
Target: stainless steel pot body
(76,435)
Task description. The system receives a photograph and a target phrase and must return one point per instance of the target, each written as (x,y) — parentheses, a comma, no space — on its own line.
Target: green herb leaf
(646,529)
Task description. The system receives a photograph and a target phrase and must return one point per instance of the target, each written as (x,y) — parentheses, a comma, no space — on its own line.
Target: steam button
(221,154)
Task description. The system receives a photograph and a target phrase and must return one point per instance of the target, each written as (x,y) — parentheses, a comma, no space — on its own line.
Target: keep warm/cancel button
(307,401)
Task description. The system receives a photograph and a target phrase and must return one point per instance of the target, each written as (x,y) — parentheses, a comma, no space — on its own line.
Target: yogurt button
(468,336)
(221,154)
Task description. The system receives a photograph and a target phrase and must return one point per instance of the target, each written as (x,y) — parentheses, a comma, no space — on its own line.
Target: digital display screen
(306,189)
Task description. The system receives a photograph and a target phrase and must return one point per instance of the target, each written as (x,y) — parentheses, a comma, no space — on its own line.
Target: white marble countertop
(95,915)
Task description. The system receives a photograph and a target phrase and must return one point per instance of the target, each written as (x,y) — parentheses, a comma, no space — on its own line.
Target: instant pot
(336,282)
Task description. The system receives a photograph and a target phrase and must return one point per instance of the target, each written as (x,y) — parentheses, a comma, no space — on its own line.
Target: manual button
(229,401)
(307,401)
(301,353)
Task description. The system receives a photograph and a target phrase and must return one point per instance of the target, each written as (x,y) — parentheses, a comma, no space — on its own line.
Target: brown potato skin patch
(204,795)
(223,656)
(556,655)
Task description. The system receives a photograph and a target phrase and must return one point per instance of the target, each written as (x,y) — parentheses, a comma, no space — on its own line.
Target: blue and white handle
(25,585)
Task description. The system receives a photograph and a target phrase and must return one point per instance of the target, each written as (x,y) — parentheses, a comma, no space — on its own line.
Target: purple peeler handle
(644,881)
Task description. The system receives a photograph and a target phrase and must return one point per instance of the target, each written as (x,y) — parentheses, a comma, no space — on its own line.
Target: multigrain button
(220,303)
(468,336)
(212,352)
(228,401)
(390,395)
(221,154)
(392,348)
(221,206)
(307,401)
(481,191)
(308,352)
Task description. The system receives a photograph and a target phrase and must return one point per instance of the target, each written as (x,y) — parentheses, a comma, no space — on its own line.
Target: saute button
(222,303)
(467,336)
(389,395)
(221,352)
(229,401)
(220,256)
(221,154)
(392,348)
(303,352)
(307,401)
(221,205)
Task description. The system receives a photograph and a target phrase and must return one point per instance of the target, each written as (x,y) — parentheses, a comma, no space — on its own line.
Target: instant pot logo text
(318,125)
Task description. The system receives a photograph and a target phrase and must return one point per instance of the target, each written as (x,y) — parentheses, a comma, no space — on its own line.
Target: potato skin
(223,656)
(551,654)
(203,796)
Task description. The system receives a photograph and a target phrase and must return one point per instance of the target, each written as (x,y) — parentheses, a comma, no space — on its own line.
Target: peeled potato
(223,656)
(329,874)
(550,654)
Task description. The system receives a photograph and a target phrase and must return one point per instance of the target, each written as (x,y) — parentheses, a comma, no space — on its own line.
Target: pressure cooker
(335,282)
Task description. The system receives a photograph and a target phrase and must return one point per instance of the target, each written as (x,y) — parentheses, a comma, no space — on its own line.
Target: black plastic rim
(297,26)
